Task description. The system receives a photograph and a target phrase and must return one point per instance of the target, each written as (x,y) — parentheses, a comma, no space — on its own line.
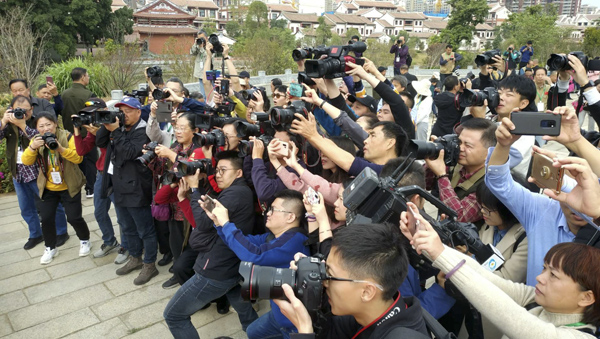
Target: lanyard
(541,97)
(579,324)
(52,157)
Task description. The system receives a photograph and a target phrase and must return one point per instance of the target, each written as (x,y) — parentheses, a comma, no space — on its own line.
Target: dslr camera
(206,122)
(159,94)
(246,129)
(84,118)
(309,53)
(431,150)
(262,282)
(19,113)
(200,41)
(50,140)
(154,71)
(469,98)
(250,94)
(559,62)
(110,117)
(169,178)
(214,40)
(486,58)
(185,168)
(284,116)
(145,159)
(141,95)
(245,147)
(334,66)
(216,137)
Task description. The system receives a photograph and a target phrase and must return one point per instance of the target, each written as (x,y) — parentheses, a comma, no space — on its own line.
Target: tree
(22,49)
(123,62)
(120,24)
(352,32)
(323,32)
(433,54)
(591,41)
(90,18)
(278,24)
(233,29)
(257,16)
(465,15)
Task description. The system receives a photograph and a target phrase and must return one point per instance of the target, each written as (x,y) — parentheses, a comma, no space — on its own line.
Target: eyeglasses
(278,95)
(486,211)
(221,171)
(271,210)
(329,277)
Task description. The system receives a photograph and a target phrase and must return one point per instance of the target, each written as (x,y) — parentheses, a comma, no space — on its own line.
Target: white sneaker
(49,254)
(85,247)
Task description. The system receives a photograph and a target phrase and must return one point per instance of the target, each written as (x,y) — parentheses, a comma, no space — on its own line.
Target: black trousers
(47,206)
(88,167)
(183,267)
(162,235)
(522,64)
(176,237)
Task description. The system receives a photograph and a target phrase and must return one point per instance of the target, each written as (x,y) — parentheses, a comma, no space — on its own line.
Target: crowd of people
(228,175)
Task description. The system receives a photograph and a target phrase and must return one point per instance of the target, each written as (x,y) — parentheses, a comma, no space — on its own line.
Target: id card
(19,155)
(56,178)
(110,168)
(397,59)
(540,106)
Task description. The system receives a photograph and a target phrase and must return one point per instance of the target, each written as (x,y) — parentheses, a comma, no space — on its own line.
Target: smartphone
(49,79)
(164,110)
(296,90)
(312,196)
(535,123)
(210,203)
(413,223)
(224,87)
(546,175)
(284,149)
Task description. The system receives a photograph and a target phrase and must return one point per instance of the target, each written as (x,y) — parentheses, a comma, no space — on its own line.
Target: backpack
(408,60)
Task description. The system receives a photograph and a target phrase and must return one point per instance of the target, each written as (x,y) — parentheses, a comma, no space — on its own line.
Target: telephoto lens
(246,129)
(285,116)
(245,147)
(214,138)
(190,167)
(50,140)
(145,159)
(431,150)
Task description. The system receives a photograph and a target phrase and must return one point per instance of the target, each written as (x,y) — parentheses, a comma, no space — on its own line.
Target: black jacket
(448,114)
(410,87)
(131,181)
(405,313)
(219,262)
(398,107)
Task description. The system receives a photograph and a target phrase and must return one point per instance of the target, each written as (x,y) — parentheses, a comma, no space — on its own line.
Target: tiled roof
(384,23)
(164,30)
(379,4)
(195,4)
(297,17)
(281,8)
(407,15)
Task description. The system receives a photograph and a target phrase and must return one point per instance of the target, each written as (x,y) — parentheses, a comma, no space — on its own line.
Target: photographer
(20,87)
(457,187)
(400,51)
(14,127)
(199,51)
(486,74)
(216,267)
(566,289)
(61,181)
(448,62)
(131,183)
(48,91)
(174,92)
(285,238)
(590,92)
(239,109)
(366,265)
(556,224)
(386,140)
(448,114)
(280,97)
(101,203)
(526,54)
(512,56)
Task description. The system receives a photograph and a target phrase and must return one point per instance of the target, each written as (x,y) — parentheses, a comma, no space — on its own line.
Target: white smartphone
(312,196)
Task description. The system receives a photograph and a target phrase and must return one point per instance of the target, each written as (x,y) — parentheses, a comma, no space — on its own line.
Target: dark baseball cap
(244,74)
(367,100)
(93,104)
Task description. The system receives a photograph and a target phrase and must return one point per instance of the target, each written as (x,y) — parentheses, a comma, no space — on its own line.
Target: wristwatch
(588,85)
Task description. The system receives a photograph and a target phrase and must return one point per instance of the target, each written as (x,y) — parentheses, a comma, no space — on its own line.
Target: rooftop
(378,4)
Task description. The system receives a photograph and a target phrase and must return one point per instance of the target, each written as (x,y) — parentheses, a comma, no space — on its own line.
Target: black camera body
(283,117)
(50,140)
(159,94)
(141,95)
(470,98)
(245,147)
(145,159)
(19,113)
(206,122)
(185,168)
(487,57)
(217,46)
(216,137)
(110,117)
(154,71)
(245,129)
(250,94)
(84,118)
(334,66)
(262,282)
(559,62)
(170,178)
(431,150)
(200,41)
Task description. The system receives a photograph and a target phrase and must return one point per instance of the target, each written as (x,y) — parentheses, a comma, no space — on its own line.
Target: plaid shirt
(25,173)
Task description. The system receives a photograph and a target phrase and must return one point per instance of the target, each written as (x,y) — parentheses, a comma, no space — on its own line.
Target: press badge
(397,59)
(110,168)
(540,106)
(56,178)
(19,155)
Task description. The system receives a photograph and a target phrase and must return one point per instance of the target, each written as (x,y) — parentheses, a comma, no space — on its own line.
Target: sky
(589,2)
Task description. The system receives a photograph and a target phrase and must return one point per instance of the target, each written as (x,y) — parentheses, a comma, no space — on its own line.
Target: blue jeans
(267,327)
(197,292)
(27,194)
(138,229)
(202,89)
(101,208)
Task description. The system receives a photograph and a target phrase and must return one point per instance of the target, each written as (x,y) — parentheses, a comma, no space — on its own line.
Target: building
(346,7)
(378,5)
(380,37)
(497,14)
(566,7)
(160,20)
(297,22)
(382,26)
(423,37)
(275,10)
(343,22)
(588,9)
(370,13)
(405,21)
(434,26)
(117,4)
(206,11)
(427,6)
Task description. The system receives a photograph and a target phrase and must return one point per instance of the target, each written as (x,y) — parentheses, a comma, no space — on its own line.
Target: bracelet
(441,176)
(452,271)
(327,230)
(311,219)
(226,58)
(309,215)
(322,104)
(278,167)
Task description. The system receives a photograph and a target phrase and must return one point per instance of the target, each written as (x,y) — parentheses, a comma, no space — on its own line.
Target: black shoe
(171,283)
(166,259)
(62,239)
(223,305)
(32,242)
(171,269)
(89,193)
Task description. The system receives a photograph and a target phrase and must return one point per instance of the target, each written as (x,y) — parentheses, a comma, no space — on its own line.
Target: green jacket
(74,100)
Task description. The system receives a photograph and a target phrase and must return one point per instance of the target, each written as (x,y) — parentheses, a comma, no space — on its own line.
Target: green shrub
(61,73)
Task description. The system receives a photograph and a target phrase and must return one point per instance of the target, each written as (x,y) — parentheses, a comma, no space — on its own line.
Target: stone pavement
(82,297)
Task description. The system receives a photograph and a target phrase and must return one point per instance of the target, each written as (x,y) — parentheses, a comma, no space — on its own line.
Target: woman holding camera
(60,181)
(567,290)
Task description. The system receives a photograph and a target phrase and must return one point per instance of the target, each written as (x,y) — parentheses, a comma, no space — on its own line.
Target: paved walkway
(77,297)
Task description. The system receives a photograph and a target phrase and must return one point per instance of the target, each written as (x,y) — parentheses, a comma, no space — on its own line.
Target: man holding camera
(199,51)
(512,56)
(20,87)
(131,183)
(276,248)
(400,51)
(174,92)
(448,113)
(457,186)
(526,54)
(448,62)
(14,128)
(217,265)
(364,268)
